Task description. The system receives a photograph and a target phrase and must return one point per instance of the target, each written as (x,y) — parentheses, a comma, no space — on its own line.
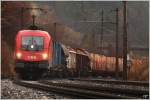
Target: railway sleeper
(71,91)
(130,92)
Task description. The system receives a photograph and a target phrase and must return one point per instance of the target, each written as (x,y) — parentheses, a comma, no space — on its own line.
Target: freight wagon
(104,66)
(78,63)
(69,62)
(59,63)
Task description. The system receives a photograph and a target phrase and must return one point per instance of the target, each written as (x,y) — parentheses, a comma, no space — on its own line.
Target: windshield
(32,43)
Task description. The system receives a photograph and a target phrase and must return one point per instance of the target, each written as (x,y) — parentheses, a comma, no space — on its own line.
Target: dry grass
(139,69)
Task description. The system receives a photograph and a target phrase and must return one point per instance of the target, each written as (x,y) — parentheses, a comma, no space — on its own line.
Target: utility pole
(54,42)
(124,42)
(102,32)
(117,66)
(55,31)
(21,21)
(83,11)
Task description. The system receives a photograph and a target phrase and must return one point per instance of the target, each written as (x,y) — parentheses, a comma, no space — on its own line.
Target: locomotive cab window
(32,43)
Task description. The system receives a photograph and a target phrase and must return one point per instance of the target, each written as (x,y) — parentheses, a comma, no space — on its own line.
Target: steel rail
(78,93)
(123,82)
(99,88)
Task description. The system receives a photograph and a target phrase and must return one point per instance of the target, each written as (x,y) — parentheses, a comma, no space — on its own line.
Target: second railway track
(77,91)
(137,93)
(119,82)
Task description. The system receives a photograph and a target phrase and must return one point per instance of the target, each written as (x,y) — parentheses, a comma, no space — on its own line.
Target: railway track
(119,82)
(77,91)
(99,88)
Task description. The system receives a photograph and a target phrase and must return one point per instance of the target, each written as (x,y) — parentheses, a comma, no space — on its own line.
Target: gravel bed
(10,90)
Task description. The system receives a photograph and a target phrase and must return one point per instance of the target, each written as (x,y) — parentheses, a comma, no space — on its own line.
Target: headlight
(45,55)
(19,55)
(32,46)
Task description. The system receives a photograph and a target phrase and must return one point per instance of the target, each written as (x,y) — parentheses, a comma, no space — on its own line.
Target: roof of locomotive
(33,32)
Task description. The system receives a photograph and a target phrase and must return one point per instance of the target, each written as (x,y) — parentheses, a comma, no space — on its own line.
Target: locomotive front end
(33,52)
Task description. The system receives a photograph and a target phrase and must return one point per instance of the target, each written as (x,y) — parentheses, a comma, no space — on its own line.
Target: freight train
(36,54)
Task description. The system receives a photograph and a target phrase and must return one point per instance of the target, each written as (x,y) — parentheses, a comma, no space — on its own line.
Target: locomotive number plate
(31,57)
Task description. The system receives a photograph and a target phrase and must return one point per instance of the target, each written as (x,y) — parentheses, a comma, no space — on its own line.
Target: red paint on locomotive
(33,55)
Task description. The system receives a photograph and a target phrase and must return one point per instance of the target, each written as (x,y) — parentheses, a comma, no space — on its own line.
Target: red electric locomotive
(33,53)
